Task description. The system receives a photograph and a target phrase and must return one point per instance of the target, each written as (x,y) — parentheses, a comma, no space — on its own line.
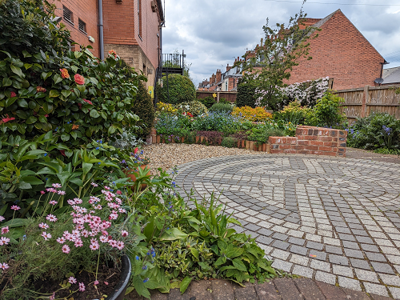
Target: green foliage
(327,112)
(176,89)
(261,133)
(222,108)
(208,101)
(293,113)
(270,63)
(196,108)
(246,95)
(217,122)
(229,142)
(223,100)
(144,108)
(28,26)
(377,131)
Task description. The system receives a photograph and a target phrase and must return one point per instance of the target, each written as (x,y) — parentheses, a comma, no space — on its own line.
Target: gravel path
(166,156)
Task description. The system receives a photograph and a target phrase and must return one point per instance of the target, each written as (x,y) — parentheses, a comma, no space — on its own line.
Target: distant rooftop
(391,75)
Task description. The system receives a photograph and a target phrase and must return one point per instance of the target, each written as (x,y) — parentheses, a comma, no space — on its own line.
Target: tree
(271,62)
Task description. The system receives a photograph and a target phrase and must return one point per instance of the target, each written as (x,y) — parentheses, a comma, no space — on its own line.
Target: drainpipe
(101,41)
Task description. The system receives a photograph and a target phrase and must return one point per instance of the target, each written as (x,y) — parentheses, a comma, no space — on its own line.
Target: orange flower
(79,79)
(113,53)
(64,73)
(75,127)
(42,89)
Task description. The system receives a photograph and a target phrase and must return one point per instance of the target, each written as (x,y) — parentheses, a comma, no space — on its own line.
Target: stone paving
(334,220)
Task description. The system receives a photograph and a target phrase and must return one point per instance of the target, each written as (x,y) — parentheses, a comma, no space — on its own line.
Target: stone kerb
(311,140)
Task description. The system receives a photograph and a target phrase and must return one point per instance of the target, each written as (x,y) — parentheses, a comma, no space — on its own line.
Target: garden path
(334,220)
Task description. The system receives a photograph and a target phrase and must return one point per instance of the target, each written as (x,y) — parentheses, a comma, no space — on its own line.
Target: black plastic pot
(120,288)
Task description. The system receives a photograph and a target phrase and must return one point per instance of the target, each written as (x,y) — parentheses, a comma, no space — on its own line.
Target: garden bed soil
(105,274)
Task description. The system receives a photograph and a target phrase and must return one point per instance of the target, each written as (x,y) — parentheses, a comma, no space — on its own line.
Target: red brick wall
(311,140)
(340,52)
(87,11)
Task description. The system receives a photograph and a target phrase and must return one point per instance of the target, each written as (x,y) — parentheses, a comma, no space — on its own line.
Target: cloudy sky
(214,32)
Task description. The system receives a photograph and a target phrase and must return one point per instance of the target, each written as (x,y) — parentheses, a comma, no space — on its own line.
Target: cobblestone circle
(334,220)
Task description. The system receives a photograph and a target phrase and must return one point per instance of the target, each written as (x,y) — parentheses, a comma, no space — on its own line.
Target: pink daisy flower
(4,266)
(94,184)
(56,185)
(61,240)
(81,287)
(66,249)
(4,230)
(120,245)
(124,233)
(46,235)
(103,239)
(2,218)
(4,241)
(53,202)
(61,193)
(94,247)
(78,243)
(15,207)
(96,282)
(72,280)
(43,226)
(51,218)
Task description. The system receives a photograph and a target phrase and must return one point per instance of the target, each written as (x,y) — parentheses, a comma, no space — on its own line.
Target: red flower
(62,152)
(64,73)
(88,101)
(79,79)
(113,53)
(136,150)
(40,89)
(13,94)
(8,119)
(119,193)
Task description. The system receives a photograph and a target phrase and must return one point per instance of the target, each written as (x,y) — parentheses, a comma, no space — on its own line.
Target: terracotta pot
(182,139)
(239,143)
(268,148)
(264,147)
(158,139)
(132,175)
(197,139)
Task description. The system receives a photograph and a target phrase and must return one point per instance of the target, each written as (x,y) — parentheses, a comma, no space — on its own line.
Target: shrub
(293,113)
(246,93)
(223,100)
(208,101)
(168,125)
(144,108)
(258,114)
(196,108)
(217,122)
(166,108)
(178,89)
(261,133)
(221,107)
(213,137)
(229,142)
(327,112)
(379,130)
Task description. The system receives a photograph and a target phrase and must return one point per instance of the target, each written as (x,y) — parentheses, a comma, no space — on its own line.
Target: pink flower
(61,192)
(4,230)
(43,226)
(96,282)
(103,239)
(53,297)
(78,243)
(119,193)
(88,101)
(13,94)
(94,184)
(8,119)
(66,249)
(105,282)
(94,247)
(4,266)
(4,241)
(42,192)
(124,233)
(2,218)
(79,79)
(72,280)
(56,185)
(120,245)
(53,202)
(136,150)
(46,235)
(15,207)
(51,218)
(61,240)
(81,287)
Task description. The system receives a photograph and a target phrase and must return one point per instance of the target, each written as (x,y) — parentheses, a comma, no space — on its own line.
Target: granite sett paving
(340,214)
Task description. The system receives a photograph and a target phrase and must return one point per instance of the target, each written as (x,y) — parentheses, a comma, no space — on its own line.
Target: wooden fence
(362,102)
(230,96)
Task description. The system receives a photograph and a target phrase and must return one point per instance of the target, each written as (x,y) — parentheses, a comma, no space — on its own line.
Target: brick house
(130,27)
(340,52)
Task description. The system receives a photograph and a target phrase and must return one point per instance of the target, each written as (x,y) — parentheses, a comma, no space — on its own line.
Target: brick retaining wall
(311,140)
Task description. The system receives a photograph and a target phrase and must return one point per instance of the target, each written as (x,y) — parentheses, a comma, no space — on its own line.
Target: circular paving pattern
(333,220)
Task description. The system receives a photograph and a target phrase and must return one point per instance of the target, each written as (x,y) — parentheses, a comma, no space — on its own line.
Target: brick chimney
(228,67)
(218,76)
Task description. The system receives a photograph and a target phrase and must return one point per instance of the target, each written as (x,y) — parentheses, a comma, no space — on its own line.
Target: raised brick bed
(311,140)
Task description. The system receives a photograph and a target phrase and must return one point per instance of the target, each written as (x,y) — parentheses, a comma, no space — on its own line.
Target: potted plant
(74,251)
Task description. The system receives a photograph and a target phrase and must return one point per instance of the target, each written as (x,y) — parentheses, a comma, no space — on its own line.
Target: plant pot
(120,288)
(132,175)
(197,139)
(264,147)
(182,139)
(158,139)
(268,148)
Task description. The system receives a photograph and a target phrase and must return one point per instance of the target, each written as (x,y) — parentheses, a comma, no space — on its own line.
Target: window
(82,26)
(140,18)
(68,16)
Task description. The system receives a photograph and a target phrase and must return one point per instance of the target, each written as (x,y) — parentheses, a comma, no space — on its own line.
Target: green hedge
(179,88)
